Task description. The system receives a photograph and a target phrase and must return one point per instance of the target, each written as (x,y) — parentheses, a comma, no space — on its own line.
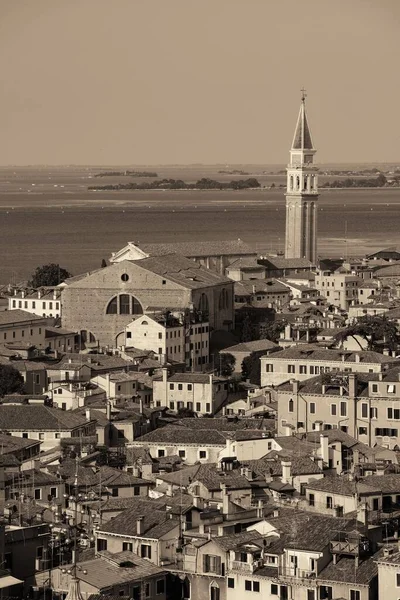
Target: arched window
(203,304)
(214,591)
(124,304)
(144,323)
(112,308)
(223,299)
(291,405)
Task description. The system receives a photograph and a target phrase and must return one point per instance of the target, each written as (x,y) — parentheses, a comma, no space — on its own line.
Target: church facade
(100,305)
(301,194)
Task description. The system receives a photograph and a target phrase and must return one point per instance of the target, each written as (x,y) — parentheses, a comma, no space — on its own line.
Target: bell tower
(301,193)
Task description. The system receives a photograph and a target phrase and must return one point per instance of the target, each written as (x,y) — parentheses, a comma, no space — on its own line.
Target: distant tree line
(349,182)
(178,184)
(126,174)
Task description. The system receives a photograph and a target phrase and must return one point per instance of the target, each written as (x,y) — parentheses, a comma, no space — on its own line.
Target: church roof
(302,135)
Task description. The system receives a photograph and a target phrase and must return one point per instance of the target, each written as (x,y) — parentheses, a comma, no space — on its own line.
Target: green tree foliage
(11,381)
(375,330)
(251,368)
(186,413)
(271,330)
(226,364)
(248,330)
(49,275)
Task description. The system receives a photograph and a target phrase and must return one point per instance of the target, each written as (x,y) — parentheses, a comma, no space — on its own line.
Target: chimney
(108,411)
(324,441)
(260,509)
(295,386)
(23,294)
(88,415)
(362,516)
(71,387)
(352,379)
(276,512)
(70,361)
(318,425)
(286,471)
(139,526)
(224,411)
(357,358)
(54,295)
(39,294)
(225,499)
(288,430)
(165,374)
(141,405)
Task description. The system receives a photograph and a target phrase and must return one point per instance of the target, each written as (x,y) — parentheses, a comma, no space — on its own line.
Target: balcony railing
(243,567)
(293,573)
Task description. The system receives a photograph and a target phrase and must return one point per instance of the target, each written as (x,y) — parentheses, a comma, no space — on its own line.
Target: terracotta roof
(182,435)
(181,270)
(37,418)
(9,317)
(197,249)
(254,346)
(155,523)
(278,262)
(313,352)
(10,443)
(344,570)
(107,570)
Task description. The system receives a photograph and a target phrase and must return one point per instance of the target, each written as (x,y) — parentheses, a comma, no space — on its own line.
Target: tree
(271,330)
(226,364)
(49,275)
(186,413)
(103,263)
(251,368)
(11,381)
(375,330)
(248,330)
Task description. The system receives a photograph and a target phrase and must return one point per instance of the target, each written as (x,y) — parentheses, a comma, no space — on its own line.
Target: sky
(108,82)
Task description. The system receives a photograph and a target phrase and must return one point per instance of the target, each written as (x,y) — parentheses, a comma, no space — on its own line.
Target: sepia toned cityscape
(199,300)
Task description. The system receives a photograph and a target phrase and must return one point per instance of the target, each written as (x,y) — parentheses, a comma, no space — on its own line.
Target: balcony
(242,567)
(293,574)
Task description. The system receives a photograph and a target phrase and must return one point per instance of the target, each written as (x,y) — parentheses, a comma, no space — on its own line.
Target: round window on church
(125,277)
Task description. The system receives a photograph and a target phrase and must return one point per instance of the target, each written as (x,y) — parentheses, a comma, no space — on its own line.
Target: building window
(355,595)
(189,387)
(231,582)
(303,369)
(312,408)
(161,452)
(172,405)
(124,304)
(214,592)
(101,545)
(374,388)
(329,502)
(269,368)
(311,500)
(160,586)
(198,407)
(171,386)
(160,335)
(325,592)
(53,492)
(202,454)
(291,405)
(180,386)
(124,277)
(333,410)
(208,407)
(362,431)
(145,551)
(127,546)
(364,410)
(182,453)
(247,585)
(128,334)
(274,589)
(41,436)
(38,494)
(374,412)
(291,369)
(343,409)
(256,586)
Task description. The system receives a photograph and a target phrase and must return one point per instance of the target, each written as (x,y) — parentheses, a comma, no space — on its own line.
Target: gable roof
(254,346)
(9,317)
(183,435)
(155,523)
(182,270)
(14,417)
(198,249)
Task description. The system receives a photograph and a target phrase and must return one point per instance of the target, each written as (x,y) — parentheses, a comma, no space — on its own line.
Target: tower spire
(301,192)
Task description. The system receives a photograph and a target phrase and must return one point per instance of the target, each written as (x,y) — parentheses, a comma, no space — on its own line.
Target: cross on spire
(303,94)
